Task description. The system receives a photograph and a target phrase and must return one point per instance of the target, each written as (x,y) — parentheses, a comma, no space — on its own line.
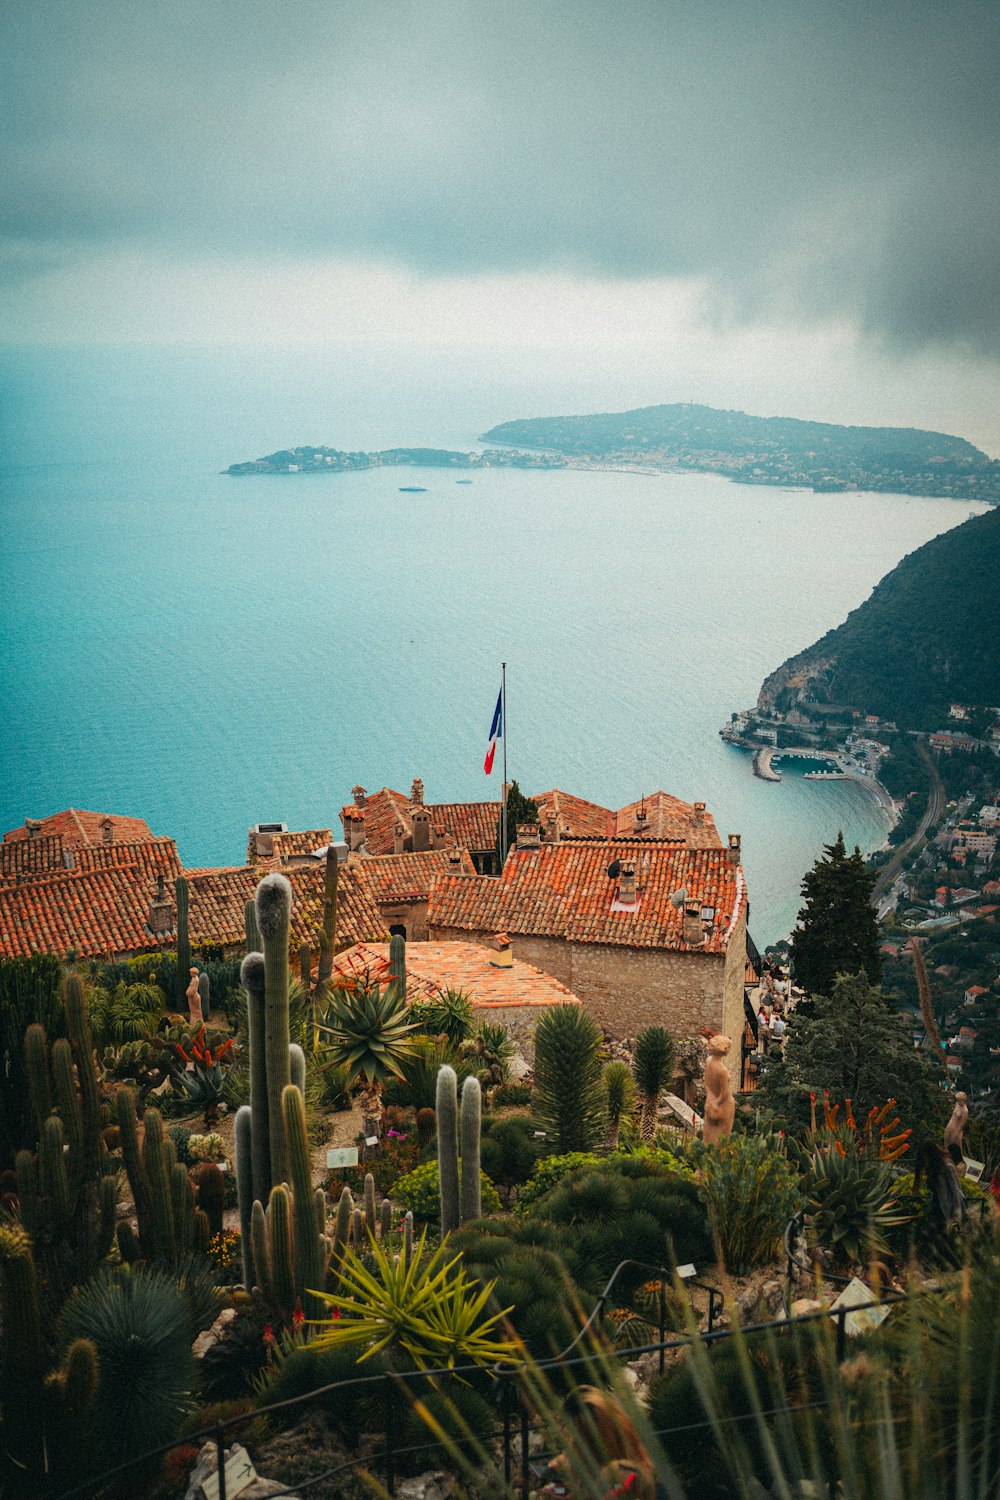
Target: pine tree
(520,809)
(837,931)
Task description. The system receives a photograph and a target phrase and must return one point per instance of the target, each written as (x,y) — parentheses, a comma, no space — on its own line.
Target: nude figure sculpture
(194,1000)
(954,1128)
(720,1106)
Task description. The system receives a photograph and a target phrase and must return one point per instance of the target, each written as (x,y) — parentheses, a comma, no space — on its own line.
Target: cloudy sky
(790,205)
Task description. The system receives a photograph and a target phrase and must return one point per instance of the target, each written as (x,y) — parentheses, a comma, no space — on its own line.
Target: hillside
(925,637)
(768,450)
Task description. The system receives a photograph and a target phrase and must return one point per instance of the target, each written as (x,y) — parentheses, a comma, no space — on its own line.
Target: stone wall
(628,988)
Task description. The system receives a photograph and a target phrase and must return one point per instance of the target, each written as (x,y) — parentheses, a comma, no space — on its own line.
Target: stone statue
(954,1128)
(194,1000)
(720,1106)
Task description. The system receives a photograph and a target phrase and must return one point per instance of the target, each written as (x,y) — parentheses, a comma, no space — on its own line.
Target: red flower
(298,1316)
(268,1334)
(336,1314)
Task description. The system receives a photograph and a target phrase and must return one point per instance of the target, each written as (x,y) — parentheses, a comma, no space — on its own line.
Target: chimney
(698,818)
(33,826)
(454,858)
(107,831)
(417,792)
(398,835)
(694,933)
(529,836)
(734,849)
(161,911)
(550,832)
(504,958)
(627,893)
(360,796)
(421,828)
(641,822)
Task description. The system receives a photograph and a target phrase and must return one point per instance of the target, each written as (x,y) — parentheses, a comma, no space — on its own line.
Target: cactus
(408,1238)
(385,1219)
(183,943)
(447,1136)
(342,1226)
(250,924)
(397,963)
(305,966)
(252,979)
(370,1201)
(312,1252)
(243,1154)
(170,1226)
(297,1067)
(289,1247)
(212,1195)
(67,1200)
(205,991)
(274,909)
(472,1103)
(45,1415)
(328,933)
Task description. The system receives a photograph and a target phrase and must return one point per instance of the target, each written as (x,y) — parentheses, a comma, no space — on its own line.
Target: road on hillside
(932,814)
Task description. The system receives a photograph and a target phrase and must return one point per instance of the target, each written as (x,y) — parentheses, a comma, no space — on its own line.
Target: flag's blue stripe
(496,728)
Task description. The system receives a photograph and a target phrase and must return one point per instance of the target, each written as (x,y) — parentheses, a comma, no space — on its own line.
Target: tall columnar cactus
(397,963)
(305,966)
(45,1414)
(274,911)
(447,1136)
(370,1201)
(205,991)
(243,1154)
(211,1195)
(290,1251)
(472,1105)
(67,1200)
(170,1226)
(183,941)
(252,978)
(328,932)
(250,923)
(297,1067)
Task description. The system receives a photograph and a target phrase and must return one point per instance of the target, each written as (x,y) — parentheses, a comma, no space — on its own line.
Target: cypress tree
(837,931)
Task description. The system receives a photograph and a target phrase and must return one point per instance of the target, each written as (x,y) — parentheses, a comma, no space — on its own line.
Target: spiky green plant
(273,905)
(183,942)
(368,1029)
(619,1098)
(429,1307)
(447,1013)
(140,1324)
(568,1098)
(397,963)
(751,1191)
(328,932)
(850,1203)
(654,1066)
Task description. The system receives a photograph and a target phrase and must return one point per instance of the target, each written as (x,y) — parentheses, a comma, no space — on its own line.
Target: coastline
(765,771)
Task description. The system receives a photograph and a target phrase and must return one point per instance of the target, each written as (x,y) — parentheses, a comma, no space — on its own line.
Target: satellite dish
(614,869)
(679,897)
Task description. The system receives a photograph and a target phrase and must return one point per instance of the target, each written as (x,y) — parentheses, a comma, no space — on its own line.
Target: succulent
(568,1098)
(654,1066)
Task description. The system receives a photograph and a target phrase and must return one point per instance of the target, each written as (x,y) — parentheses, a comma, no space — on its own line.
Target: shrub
(30,990)
(508,1151)
(299,1368)
(568,1098)
(420,1191)
(750,1191)
(181,1137)
(547,1309)
(550,1171)
(234,1365)
(447,1013)
(512,1095)
(140,1323)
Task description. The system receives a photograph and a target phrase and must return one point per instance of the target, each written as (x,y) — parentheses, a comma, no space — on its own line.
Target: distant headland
(786,451)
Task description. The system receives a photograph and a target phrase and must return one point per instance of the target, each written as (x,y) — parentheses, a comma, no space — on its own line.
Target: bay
(208,652)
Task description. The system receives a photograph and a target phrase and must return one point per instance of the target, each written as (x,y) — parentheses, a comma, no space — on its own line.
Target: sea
(208,652)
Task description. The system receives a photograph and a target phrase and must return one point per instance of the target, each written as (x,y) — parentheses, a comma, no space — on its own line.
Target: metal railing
(511,1400)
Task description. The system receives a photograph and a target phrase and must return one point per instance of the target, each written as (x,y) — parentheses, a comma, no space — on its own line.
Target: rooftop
(75,826)
(431,967)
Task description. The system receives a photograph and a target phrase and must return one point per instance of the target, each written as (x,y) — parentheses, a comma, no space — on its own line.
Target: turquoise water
(208,652)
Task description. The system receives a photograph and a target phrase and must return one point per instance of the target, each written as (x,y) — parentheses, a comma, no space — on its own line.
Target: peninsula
(309,460)
(766,450)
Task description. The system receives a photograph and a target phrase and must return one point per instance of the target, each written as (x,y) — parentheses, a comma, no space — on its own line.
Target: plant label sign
(239,1471)
(867,1315)
(974,1169)
(343,1156)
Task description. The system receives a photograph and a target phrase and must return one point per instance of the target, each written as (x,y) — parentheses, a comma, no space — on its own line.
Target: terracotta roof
(669,818)
(563,890)
(407,877)
(40,858)
(431,967)
(74,827)
(292,845)
(25,859)
(95,913)
(103,912)
(575,816)
(472,824)
(151,856)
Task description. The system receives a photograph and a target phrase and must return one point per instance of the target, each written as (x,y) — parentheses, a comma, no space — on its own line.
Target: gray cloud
(808,159)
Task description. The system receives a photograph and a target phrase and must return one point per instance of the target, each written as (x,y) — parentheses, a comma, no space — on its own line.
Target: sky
(789,206)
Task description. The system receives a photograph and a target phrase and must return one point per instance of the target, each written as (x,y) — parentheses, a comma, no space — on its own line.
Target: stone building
(645,931)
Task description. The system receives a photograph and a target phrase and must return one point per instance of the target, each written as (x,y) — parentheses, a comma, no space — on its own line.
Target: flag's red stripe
(488,762)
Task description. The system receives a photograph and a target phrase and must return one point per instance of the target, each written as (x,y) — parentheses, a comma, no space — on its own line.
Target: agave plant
(427,1306)
(849,1201)
(446,1013)
(366,1028)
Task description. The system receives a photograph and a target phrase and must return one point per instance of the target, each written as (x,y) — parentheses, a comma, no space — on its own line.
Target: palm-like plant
(654,1066)
(427,1306)
(568,1097)
(366,1029)
(619,1096)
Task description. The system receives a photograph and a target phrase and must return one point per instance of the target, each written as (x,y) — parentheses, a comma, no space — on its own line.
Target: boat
(412,489)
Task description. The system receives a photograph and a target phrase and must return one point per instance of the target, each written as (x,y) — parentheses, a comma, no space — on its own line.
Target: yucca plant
(568,1098)
(654,1068)
(427,1306)
(368,1030)
(619,1098)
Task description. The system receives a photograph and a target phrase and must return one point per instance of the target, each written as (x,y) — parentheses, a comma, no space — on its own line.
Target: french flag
(496,730)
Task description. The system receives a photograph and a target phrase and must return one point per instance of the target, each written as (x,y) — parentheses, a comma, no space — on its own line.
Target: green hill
(768,450)
(926,637)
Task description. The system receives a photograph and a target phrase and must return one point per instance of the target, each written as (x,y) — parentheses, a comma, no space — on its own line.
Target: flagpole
(503,815)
